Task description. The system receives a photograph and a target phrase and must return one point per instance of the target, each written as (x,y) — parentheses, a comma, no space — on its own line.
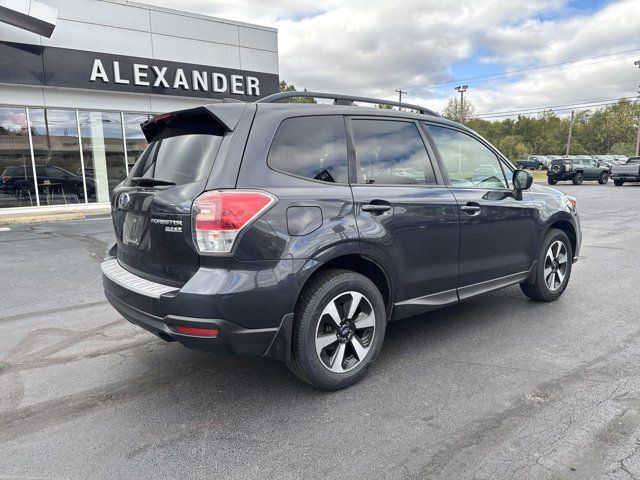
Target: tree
(384,106)
(284,87)
(512,147)
(452,110)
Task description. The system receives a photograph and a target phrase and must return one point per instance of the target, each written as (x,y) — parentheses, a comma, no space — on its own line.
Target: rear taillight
(218,217)
(5,178)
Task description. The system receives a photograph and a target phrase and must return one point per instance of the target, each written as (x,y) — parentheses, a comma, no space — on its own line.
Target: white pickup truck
(627,172)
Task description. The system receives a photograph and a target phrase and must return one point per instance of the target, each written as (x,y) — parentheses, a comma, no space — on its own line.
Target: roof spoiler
(227,115)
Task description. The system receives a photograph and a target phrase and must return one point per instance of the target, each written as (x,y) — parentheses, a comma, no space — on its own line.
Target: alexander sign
(157,77)
(51,66)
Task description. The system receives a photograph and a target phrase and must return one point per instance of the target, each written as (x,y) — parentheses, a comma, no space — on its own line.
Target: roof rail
(339,99)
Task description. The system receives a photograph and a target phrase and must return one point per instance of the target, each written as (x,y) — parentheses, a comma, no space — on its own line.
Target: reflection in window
(136,143)
(103,152)
(390,152)
(311,147)
(57,156)
(15,159)
(468,162)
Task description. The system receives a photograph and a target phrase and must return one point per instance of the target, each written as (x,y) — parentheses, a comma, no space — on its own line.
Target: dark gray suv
(297,231)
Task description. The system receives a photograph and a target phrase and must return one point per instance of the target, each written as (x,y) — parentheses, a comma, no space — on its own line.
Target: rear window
(311,147)
(179,159)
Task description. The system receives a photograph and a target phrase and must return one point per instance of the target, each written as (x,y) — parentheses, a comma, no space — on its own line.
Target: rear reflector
(203,332)
(218,217)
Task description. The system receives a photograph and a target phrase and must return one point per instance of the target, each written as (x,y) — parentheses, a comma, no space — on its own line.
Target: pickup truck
(628,172)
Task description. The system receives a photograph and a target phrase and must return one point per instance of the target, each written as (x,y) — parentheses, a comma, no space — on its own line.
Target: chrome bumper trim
(114,272)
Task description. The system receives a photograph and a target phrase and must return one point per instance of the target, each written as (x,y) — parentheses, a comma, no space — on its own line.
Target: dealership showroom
(72,99)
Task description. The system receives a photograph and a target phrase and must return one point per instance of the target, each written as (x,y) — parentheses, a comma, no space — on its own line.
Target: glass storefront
(16,170)
(52,163)
(136,143)
(57,156)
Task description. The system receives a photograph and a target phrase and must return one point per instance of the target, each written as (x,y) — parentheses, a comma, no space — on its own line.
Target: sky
(527,54)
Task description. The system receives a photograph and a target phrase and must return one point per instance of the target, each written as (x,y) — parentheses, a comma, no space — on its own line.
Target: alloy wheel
(555,265)
(345,332)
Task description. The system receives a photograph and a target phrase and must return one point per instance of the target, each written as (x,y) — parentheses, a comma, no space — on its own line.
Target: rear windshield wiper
(150,182)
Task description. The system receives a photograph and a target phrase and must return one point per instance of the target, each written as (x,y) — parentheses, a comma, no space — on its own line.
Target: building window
(136,142)
(16,171)
(106,143)
(103,151)
(57,156)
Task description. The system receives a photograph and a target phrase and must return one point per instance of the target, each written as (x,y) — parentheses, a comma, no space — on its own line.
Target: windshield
(634,160)
(181,159)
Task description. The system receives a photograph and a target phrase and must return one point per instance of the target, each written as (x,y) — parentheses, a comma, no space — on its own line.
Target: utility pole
(569,137)
(400,92)
(637,63)
(462,89)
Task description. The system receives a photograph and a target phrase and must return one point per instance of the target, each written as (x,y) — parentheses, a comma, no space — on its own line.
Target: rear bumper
(625,177)
(159,309)
(560,177)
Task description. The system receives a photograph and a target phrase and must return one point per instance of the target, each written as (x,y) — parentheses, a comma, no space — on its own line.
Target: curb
(48,217)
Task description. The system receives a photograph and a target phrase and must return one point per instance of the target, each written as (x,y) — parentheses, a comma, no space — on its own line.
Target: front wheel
(603,178)
(551,181)
(577,179)
(553,269)
(618,183)
(338,329)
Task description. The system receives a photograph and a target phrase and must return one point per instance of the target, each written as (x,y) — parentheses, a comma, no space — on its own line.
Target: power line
(529,69)
(558,108)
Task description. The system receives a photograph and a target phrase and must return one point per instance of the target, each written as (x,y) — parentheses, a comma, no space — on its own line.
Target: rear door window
(311,147)
(180,159)
(390,152)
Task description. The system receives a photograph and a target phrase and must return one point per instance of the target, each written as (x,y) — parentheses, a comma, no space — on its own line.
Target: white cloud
(373,47)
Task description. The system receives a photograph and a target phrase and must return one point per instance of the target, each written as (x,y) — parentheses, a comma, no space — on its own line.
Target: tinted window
(390,152)
(54,172)
(468,162)
(181,159)
(311,147)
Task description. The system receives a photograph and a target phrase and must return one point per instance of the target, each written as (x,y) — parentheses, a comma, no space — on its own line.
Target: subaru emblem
(123,201)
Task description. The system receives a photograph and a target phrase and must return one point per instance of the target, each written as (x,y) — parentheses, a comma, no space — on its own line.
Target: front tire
(338,330)
(551,181)
(618,183)
(553,270)
(577,179)
(603,178)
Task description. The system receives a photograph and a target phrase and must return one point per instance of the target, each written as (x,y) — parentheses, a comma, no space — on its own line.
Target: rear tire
(335,342)
(577,179)
(551,181)
(553,270)
(603,178)
(618,183)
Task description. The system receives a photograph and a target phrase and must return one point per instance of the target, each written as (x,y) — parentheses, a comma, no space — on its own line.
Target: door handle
(375,209)
(471,209)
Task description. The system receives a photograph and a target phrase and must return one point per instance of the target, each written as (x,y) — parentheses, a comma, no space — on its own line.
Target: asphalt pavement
(496,387)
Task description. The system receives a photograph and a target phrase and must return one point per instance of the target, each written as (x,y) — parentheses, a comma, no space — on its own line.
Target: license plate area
(134,227)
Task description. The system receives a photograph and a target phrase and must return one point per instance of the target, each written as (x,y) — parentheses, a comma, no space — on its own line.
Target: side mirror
(522,180)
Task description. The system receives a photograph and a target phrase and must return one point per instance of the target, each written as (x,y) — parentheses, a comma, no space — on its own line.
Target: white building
(71,104)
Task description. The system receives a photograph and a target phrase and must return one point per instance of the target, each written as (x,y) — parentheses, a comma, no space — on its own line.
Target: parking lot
(496,387)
